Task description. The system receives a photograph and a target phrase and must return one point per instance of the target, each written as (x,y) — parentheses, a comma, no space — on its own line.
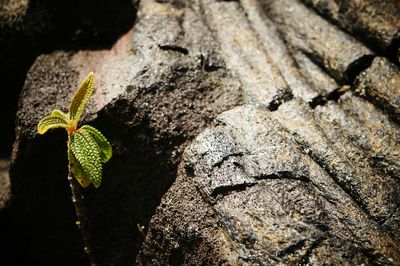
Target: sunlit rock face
(244,132)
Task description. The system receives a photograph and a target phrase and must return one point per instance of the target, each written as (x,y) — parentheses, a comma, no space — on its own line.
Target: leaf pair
(87,147)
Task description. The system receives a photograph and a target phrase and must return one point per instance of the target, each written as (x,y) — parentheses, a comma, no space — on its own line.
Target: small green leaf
(102,142)
(50,121)
(77,170)
(87,154)
(81,97)
(60,114)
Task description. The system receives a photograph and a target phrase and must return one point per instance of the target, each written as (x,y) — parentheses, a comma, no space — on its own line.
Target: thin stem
(80,210)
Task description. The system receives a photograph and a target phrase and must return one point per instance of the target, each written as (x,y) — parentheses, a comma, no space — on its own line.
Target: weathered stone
(380,83)
(366,127)
(152,96)
(377,194)
(349,252)
(339,53)
(315,181)
(282,208)
(262,82)
(376,21)
(316,77)
(184,230)
(277,50)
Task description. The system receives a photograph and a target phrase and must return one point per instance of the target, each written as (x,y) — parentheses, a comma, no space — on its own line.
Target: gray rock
(262,82)
(152,96)
(339,53)
(376,193)
(376,21)
(273,204)
(316,77)
(279,52)
(366,127)
(380,83)
(184,230)
(302,174)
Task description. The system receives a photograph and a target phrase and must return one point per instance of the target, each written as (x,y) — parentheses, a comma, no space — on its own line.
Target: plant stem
(80,210)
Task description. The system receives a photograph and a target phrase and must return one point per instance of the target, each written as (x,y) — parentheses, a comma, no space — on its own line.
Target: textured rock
(11,17)
(261,80)
(268,34)
(273,203)
(367,128)
(375,21)
(376,193)
(380,83)
(340,54)
(307,172)
(316,77)
(184,230)
(152,95)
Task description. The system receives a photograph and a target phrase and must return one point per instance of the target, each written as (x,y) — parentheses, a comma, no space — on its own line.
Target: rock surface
(381,84)
(371,20)
(376,193)
(273,203)
(244,132)
(338,53)
(151,98)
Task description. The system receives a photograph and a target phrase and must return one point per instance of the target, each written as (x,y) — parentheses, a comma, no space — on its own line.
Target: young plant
(87,150)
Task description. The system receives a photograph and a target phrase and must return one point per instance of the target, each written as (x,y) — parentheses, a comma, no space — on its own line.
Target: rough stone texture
(380,83)
(367,128)
(375,21)
(340,54)
(377,194)
(306,173)
(316,77)
(273,203)
(268,34)
(153,94)
(184,230)
(261,80)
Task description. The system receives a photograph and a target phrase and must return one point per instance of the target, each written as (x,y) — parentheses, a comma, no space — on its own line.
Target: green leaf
(103,144)
(50,121)
(81,97)
(60,114)
(77,170)
(87,154)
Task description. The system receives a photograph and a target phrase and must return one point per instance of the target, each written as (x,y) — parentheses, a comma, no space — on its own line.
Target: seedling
(87,150)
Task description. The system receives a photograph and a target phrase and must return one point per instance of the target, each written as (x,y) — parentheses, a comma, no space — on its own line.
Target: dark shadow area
(43,230)
(357,67)
(11,240)
(41,222)
(393,50)
(135,179)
